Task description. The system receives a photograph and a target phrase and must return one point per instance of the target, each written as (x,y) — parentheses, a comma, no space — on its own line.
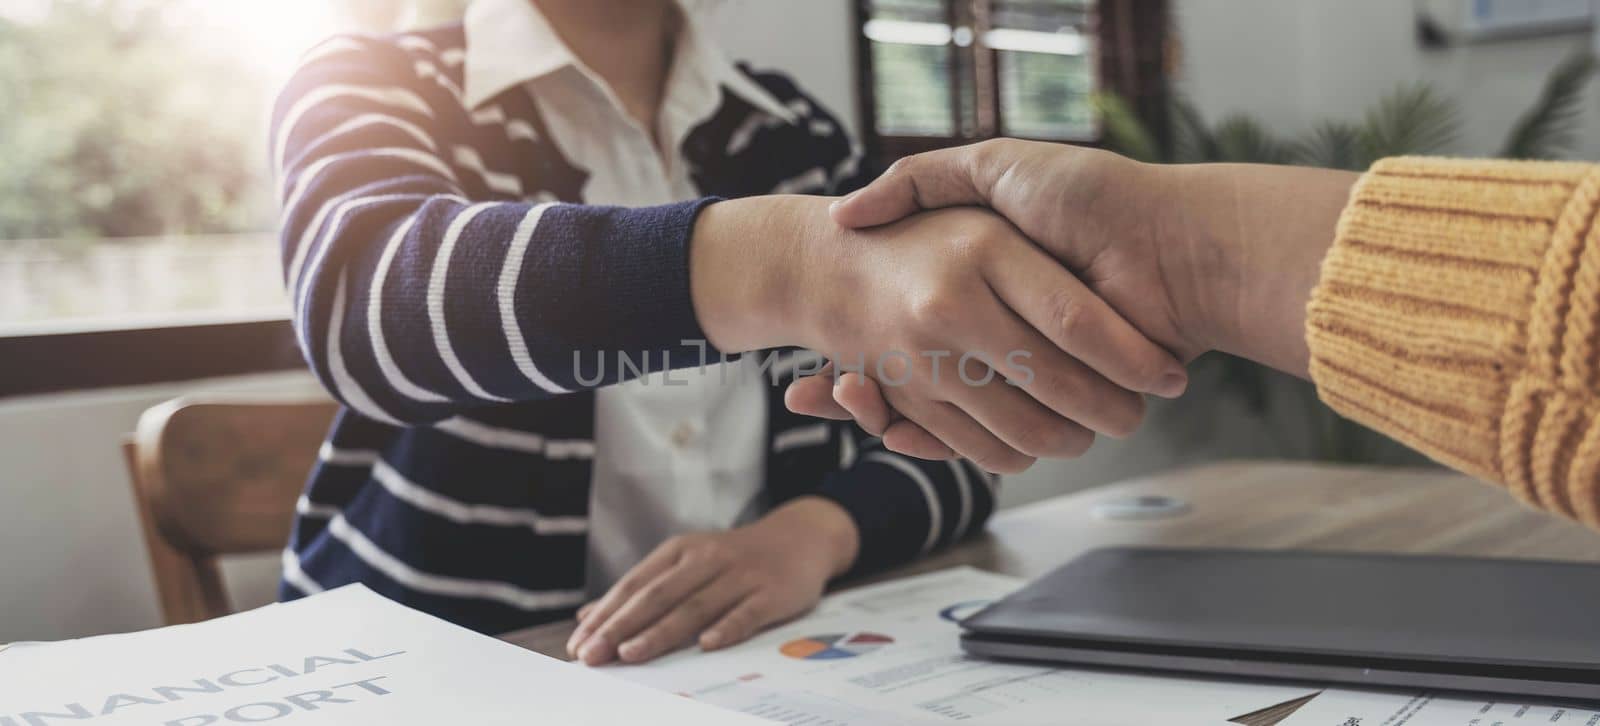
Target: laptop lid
(1445,622)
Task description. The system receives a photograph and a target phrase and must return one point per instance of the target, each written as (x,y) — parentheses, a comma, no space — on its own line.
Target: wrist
(744,259)
(1196,241)
(1136,234)
(823,532)
(1243,248)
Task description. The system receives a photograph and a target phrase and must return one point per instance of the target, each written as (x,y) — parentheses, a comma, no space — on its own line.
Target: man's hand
(1198,257)
(902,303)
(719,587)
(1091,210)
(1202,257)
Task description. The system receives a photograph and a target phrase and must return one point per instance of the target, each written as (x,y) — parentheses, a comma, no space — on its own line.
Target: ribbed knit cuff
(1457,313)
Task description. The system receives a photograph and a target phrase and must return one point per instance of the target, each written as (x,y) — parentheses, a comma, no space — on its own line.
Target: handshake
(1009,300)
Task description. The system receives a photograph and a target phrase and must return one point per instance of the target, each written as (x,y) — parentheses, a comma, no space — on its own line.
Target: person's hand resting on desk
(1198,258)
(717,589)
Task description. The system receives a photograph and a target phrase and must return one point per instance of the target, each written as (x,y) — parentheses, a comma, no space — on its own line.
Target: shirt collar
(510,42)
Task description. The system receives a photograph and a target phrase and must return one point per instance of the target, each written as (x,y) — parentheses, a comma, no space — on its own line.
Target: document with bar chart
(890,654)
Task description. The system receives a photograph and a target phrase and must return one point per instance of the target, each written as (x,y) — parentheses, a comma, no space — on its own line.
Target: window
(137,194)
(944,72)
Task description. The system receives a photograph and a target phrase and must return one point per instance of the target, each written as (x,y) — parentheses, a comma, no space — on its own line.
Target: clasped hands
(1144,268)
(1019,263)
(1002,302)
(1009,300)
(1075,252)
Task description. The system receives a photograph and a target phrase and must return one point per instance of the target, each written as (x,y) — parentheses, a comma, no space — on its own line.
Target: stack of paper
(344,657)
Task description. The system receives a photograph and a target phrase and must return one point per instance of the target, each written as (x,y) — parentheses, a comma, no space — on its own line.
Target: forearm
(1447,303)
(416,309)
(742,263)
(1253,238)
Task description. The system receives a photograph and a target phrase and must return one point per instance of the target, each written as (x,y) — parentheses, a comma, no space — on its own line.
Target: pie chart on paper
(834,646)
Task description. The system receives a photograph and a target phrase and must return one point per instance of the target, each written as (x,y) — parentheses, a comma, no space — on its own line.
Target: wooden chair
(216,476)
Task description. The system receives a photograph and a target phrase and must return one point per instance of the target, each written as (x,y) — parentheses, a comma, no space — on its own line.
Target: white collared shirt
(669,459)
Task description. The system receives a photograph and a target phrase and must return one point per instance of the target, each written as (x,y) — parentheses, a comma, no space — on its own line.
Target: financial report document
(347,656)
(890,654)
(1340,707)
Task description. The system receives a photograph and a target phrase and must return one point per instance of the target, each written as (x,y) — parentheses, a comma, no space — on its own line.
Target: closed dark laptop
(1511,626)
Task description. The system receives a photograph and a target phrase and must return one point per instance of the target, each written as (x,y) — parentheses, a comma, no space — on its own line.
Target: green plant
(1549,129)
(1412,119)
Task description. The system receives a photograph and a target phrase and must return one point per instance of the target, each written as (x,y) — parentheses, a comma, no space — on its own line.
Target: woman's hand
(971,330)
(719,588)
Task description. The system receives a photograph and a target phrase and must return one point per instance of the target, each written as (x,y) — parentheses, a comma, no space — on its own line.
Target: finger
(813,396)
(906,437)
(1020,420)
(933,179)
(584,611)
(862,398)
(657,562)
(679,626)
(653,601)
(859,397)
(1056,303)
(954,427)
(1064,389)
(738,624)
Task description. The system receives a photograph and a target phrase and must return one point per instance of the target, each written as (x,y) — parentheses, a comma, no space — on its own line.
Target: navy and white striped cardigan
(444,273)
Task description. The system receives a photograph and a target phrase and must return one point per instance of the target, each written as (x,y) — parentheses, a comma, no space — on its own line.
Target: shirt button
(683,434)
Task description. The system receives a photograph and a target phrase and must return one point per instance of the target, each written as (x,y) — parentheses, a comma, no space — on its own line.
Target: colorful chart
(834,646)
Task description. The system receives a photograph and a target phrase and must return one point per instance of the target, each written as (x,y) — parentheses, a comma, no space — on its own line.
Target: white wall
(1293,63)
(811,40)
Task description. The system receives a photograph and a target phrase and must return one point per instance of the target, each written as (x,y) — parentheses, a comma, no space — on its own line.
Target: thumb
(930,180)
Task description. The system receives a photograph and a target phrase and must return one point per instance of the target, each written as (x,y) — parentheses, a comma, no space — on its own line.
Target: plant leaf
(1192,139)
(1243,139)
(1548,129)
(1412,119)
(1333,145)
(1125,132)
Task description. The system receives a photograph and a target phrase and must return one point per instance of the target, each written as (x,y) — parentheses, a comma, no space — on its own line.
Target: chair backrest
(216,476)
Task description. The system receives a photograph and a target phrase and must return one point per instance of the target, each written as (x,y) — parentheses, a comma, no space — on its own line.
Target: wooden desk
(1254,505)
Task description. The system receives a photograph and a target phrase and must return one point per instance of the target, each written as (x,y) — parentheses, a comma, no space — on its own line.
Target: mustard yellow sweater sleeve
(1459,312)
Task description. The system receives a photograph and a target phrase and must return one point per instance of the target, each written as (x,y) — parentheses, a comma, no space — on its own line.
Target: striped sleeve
(903,507)
(413,301)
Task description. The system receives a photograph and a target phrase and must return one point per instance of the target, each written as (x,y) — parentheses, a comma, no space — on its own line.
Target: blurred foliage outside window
(1046,73)
(134,138)
(926,68)
(912,52)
